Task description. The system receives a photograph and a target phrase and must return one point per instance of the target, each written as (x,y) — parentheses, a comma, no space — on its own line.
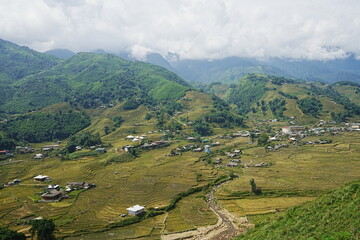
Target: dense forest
(41,126)
(310,106)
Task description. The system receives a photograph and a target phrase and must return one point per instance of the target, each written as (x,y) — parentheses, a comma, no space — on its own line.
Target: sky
(194,29)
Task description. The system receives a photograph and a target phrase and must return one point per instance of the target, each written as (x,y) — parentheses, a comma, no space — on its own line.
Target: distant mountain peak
(61,53)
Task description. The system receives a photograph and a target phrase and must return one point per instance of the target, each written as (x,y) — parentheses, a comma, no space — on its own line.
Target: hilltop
(17,62)
(89,80)
(332,216)
(269,97)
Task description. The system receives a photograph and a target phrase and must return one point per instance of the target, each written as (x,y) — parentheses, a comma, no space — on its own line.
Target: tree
(202,128)
(7,234)
(118,120)
(254,188)
(131,104)
(148,116)
(43,228)
(253,185)
(263,139)
(106,130)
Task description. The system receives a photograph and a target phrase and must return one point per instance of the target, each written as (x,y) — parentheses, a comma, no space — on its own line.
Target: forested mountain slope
(91,79)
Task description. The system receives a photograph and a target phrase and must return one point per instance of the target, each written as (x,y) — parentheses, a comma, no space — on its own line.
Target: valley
(87,138)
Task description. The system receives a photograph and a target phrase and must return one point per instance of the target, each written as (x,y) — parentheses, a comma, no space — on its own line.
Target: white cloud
(323,29)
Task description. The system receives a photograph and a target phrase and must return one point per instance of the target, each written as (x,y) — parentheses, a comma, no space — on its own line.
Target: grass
(332,216)
(348,91)
(263,205)
(298,174)
(153,179)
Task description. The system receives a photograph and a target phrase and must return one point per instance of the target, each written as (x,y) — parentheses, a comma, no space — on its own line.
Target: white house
(39,156)
(135,210)
(292,129)
(41,178)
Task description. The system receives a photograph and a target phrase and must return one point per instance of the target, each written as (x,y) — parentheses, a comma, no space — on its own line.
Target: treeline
(41,126)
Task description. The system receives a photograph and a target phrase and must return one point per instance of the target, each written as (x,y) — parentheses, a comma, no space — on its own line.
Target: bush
(131,104)
(7,234)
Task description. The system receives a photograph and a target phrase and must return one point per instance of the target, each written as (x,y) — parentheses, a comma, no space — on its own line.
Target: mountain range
(229,70)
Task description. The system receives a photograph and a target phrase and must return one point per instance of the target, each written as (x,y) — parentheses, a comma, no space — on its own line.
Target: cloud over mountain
(194,29)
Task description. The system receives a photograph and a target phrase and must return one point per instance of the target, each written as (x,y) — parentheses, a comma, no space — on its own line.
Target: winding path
(226,227)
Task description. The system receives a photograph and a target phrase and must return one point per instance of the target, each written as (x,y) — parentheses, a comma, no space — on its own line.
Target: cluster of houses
(54,193)
(156,144)
(136,138)
(233,163)
(277,147)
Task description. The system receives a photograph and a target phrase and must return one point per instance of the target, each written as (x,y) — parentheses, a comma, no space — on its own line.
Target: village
(282,138)
(230,152)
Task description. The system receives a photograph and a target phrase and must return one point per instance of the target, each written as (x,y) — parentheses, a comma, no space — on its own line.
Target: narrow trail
(226,227)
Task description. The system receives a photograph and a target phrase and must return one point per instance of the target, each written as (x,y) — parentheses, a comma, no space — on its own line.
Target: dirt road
(226,227)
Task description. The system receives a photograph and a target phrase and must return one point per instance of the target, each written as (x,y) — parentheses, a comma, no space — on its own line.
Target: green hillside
(267,97)
(331,216)
(90,80)
(17,62)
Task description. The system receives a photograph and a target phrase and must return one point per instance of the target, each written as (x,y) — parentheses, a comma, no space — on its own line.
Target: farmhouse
(52,187)
(207,149)
(263,164)
(42,178)
(100,150)
(231,155)
(218,161)
(52,196)
(197,149)
(191,139)
(292,129)
(216,144)
(232,164)
(23,150)
(79,185)
(234,135)
(135,210)
(39,156)
(50,147)
(147,146)
(3,152)
(127,147)
(14,182)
